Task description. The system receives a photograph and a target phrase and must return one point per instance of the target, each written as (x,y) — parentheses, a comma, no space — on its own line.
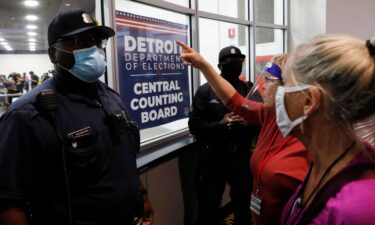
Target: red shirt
(282,171)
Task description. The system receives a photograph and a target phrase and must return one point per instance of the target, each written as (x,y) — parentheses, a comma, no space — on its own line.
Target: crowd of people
(16,84)
(295,148)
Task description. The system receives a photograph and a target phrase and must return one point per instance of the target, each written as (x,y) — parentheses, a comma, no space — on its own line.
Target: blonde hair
(344,67)
(280,60)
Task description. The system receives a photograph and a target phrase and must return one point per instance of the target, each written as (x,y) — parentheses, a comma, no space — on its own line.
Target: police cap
(230,51)
(69,22)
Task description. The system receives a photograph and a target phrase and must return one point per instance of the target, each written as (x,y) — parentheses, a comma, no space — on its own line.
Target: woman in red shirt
(279,163)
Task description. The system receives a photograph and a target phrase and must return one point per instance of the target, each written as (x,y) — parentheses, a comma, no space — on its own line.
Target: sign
(154,84)
(231,32)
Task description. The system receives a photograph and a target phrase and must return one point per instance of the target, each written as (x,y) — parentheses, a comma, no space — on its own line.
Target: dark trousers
(215,170)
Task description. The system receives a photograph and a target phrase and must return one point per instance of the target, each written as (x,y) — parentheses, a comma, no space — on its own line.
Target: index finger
(184,46)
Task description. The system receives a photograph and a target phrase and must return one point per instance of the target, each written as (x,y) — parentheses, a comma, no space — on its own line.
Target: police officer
(68,148)
(225,146)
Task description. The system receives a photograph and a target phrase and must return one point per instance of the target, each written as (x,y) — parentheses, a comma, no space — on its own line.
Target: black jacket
(208,111)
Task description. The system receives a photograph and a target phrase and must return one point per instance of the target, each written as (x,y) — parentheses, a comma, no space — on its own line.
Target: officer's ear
(52,55)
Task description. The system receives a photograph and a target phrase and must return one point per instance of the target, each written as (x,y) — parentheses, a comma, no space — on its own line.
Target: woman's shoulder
(353,204)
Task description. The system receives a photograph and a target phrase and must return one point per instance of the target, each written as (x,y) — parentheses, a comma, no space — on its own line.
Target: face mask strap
(299,87)
(60,49)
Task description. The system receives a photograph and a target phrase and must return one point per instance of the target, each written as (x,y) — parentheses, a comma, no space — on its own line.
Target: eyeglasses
(271,80)
(84,41)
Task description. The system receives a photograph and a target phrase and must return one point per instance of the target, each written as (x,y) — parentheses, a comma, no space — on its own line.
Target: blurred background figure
(224,140)
(34,79)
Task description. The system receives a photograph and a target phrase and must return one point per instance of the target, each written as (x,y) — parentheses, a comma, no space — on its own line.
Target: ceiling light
(4,43)
(31,33)
(32,44)
(32,49)
(31,3)
(2,39)
(68,4)
(31,17)
(32,40)
(31,27)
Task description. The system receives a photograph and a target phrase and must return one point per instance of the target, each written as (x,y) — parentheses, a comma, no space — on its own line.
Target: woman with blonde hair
(329,82)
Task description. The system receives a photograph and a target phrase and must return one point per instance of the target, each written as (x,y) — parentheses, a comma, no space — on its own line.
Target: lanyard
(264,160)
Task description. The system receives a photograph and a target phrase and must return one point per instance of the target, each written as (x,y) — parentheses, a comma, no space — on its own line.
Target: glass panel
(23,44)
(269,42)
(233,8)
(179,2)
(154,83)
(270,11)
(215,35)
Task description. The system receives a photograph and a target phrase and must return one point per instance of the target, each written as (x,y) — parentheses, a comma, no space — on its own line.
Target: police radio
(47,100)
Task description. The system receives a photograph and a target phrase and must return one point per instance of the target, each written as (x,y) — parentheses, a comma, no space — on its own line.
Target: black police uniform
(97,184)
(223,158)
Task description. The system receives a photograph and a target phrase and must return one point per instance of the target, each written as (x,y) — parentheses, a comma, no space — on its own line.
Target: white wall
(39,63)
(355,18)
(310,18)
(307,19)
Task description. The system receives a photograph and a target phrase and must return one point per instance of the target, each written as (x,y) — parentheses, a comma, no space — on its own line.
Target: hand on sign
(191,57)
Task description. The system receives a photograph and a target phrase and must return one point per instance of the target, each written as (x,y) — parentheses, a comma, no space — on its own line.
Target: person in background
(27,82)
(3,99)
(34,79)
(44,77)
(225,146)
(279,162)
(329,84)
(76,163)
(18,81)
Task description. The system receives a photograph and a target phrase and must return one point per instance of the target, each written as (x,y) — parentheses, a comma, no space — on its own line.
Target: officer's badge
(87,18)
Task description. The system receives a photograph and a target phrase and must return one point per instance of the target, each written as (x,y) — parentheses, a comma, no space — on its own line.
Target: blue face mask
(89,64)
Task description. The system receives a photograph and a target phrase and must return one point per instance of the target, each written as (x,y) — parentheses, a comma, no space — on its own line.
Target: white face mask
(282,119)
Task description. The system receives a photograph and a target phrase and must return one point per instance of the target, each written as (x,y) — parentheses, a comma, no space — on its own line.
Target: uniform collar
(77,90)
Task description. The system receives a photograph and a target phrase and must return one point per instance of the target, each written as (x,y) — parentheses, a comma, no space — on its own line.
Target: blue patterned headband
(273,69)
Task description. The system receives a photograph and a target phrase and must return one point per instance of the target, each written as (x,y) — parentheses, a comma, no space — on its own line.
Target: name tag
(80,133)
(255,204)
(81,138)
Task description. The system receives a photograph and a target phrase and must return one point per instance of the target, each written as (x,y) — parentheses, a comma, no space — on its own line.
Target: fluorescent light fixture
(31,17)
(4,43)
(32,44)
(2,39)
(31,33)
(32,49)
(32,40)
(31,3)
(31,27)
(68,4)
